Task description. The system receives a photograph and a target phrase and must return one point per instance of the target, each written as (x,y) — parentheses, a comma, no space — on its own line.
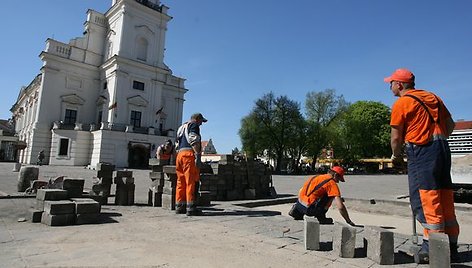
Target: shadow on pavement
(107,217)
(402,258)
(326,246)
(250,213)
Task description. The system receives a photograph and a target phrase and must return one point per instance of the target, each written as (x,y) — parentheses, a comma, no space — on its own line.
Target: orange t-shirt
(417,126)
(330,188)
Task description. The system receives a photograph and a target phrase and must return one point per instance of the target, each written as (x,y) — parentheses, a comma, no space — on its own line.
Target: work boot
(422,256)
(324,220)
(454,253)
(180,209)
(192,210)
(296,215)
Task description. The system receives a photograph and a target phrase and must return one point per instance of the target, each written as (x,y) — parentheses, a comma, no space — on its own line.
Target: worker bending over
(317,194)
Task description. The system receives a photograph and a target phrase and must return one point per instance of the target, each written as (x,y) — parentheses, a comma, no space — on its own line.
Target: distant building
(8,141)
(460,141)
(107,96)
(208,147)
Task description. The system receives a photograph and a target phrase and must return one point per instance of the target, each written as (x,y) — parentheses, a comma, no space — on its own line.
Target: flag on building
(113,106)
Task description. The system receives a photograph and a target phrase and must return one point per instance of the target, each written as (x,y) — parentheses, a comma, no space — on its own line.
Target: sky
(231,52)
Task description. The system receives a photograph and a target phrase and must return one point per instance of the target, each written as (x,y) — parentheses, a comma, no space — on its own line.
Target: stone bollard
(26,176)
(439,251)
(344,240)
(379,245)
(312,233)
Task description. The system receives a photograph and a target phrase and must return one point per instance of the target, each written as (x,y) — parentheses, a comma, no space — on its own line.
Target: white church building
(107,96)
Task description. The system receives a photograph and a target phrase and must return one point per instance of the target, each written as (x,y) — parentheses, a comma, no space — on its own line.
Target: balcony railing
(113,127)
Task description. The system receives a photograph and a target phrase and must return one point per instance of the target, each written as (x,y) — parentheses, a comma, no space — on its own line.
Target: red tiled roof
(460,125)
(204,144)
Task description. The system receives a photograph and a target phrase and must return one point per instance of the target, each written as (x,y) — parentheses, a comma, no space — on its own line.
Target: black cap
(198,116)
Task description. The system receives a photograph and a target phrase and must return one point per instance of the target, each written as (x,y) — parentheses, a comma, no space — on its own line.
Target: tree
(252,137)
(322,109)
(365,130)
(269,127)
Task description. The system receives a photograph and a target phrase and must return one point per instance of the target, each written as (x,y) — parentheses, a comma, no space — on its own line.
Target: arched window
(141,49)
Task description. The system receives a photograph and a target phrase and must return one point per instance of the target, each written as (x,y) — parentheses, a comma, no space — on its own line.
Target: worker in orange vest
(165,152)
(188,164)
(422,122)
(317,194)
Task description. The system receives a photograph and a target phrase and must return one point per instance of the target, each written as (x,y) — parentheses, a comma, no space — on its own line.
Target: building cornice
(45,56)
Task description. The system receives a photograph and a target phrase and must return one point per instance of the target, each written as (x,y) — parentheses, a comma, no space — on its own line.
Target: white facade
(106,96)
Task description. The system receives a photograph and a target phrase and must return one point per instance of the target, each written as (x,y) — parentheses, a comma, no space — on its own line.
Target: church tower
(106,96)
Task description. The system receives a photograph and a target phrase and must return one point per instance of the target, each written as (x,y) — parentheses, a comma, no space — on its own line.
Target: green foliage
(365,131)
(270,126)
(275,128)
(323,109)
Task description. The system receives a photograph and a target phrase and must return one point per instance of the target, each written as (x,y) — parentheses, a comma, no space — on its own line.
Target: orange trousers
(430,185)
(188,176)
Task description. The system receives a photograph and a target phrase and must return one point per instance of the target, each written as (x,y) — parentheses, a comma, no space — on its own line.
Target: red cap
(340,171)
(401,75)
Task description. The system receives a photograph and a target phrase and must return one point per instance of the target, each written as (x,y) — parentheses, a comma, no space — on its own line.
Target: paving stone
(124,174)
(101,199)
(73,186)
(58,220)
(169,169)
(59,207)
(156,162)
(167,190)
(170,177)
(87,207)
(105,174)
(51,194)
(154,198)
(250,193)
(344,240)
(439,251)
(204,199)
(87,218)
(311,233)
(379,245)
(125,194)
(170,184)
(157,183)
(168,201)
(156,175)
(39,205)
(36,215)
(123,180)
(105,167)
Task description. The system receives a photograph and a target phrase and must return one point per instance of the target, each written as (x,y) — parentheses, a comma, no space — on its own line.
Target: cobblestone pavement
(228,235)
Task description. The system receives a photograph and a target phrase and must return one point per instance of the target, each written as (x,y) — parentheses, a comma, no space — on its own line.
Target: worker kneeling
(317,194)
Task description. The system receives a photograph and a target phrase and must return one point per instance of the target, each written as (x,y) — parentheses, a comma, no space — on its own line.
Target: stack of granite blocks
(157,183)
(125,188)
(101,187)
(236,180)
(56,207)
(169,187)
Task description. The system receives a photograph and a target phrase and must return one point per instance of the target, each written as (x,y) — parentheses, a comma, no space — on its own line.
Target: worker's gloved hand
(397,161)
(198,160)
